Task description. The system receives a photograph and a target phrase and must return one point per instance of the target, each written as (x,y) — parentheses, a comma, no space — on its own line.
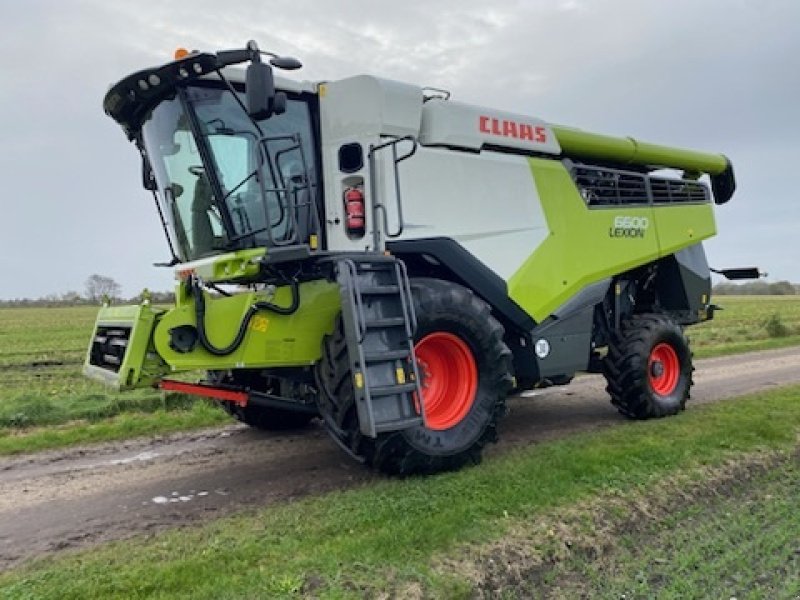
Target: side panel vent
(677,190)
(610,187)
(602,186)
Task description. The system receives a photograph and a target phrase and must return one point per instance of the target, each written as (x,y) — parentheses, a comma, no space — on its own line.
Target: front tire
(649,367)
(267,418)
(465,369)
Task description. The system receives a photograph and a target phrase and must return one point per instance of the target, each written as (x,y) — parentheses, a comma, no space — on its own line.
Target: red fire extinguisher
(354,211)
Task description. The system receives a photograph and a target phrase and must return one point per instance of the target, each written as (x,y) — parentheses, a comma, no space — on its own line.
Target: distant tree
(162,297)
(70,298)
(98,286)
(781,288)
(756,288)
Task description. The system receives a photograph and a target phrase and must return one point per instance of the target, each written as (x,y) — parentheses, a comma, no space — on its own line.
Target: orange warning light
(181,53)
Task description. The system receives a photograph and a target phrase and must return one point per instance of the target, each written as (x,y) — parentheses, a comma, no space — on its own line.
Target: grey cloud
(718,75)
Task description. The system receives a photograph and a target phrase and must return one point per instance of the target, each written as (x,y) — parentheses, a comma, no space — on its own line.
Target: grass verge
(723,530)
(120,427)
(743,542)
(748,324)
(387,536)
(740,347)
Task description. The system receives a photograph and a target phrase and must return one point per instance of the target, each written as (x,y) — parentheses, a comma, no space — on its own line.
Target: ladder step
(388,390)
(398,424)
(379,290)
(370,267)
(387,355)
(385,322)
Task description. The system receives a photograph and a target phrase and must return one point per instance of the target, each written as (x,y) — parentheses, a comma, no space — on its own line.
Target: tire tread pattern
(625,367)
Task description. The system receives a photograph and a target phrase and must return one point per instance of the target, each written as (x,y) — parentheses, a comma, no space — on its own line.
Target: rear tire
(462,341)
(649,367)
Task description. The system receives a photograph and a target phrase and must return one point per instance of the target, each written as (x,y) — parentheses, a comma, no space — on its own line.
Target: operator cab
(231,169)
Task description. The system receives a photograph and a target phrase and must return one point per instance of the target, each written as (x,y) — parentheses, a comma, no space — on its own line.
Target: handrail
(354,290)
(378,206)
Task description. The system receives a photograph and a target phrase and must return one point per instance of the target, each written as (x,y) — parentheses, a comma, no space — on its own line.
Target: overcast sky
(711,75)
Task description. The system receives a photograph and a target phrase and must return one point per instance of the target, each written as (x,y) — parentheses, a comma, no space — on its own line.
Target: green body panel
(141,366)
(682,226)
(575,142)
(580,248)
(272,340)
(226,267)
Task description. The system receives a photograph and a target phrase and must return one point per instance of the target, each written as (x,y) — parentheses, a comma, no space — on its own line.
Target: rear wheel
(649,367)
(465,370)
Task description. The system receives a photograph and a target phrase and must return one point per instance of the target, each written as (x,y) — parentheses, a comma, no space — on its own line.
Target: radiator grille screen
(600,186)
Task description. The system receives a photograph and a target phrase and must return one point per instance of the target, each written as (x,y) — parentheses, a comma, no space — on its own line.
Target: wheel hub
(663,369)
(656,368)
(449,379)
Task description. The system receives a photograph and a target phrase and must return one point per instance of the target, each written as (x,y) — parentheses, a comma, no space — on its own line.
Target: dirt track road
(53,501)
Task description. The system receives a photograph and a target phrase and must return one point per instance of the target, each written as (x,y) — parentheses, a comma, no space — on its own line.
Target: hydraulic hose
(200,314)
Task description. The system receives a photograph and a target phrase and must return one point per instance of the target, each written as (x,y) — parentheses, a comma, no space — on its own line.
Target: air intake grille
(607,187)
(600,186)
(677,190)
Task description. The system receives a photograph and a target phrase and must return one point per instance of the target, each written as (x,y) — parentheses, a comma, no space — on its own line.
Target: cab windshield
(225,182)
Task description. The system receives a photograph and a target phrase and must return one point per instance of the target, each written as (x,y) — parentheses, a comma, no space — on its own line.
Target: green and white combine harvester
(396,263)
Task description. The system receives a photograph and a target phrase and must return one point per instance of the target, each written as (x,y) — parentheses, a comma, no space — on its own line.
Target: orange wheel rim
(663,369)
(449,379)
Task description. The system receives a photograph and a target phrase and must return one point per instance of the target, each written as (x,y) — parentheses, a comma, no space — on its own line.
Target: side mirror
(285,62)
(260,90)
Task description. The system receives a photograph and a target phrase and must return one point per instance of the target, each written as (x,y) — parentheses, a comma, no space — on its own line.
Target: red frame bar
(198,389)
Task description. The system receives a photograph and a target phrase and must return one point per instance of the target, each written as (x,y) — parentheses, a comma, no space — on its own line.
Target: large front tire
(267,418)
(466,375)
(649,367)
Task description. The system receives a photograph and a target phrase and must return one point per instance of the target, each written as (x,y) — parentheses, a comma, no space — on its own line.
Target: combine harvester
(395,263)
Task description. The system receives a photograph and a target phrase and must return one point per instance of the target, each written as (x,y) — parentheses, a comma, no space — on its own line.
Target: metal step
(385,322)
(397,425)
(389,355)
(378,290)
(388,390)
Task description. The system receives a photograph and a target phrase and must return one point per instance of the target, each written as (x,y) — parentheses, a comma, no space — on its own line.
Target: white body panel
(369,106)
(454,124)
(486,202)
(359,110)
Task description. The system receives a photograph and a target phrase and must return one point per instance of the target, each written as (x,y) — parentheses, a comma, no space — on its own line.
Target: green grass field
(41,356)
(748,323)
(42,351)
(701,505)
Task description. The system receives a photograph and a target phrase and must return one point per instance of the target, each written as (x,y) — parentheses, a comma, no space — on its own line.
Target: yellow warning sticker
(401,375)
(259,324)
(359,379)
